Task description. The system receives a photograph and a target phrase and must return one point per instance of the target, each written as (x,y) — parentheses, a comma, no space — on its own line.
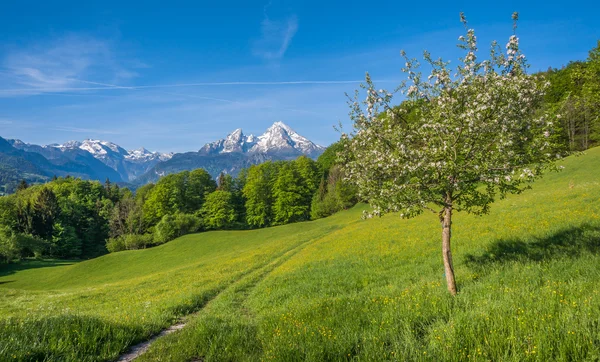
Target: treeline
(73,218)
(574,97)
(65,218)
(272,193)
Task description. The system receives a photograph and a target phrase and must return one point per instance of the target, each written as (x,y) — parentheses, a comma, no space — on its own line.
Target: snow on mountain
(69,145)
(236,141)
(98,148)
(17,143)
(277,139)
(129,164)
(105,149)
(102,159)
(143,155)
(281,137)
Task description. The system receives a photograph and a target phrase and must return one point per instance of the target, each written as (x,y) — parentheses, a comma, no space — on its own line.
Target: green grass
(338,289)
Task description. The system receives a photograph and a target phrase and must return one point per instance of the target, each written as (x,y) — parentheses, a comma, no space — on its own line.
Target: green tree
(9,244)
(22,185)
(225,182)
(199,184)
(14,245)
(8,211)
(573,96)
(183,192)
(165,198)
(290,204)
(218,211)
(258,194)
(129,242)
(308,180)
(127,217)
(174,226)
(64,242)
(86,208)
(141,194)
(46,211)
(334,194)
(477,135)
(329,157)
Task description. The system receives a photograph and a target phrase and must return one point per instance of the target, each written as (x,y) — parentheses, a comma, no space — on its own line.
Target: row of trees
(574,96)
(65,218)
(272,193)
(73,218)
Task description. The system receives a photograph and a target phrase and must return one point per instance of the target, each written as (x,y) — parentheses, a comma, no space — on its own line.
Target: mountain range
(101,160)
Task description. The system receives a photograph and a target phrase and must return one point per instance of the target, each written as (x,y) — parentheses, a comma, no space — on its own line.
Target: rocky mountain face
(238,151)
(92,167)
(278,139)
(101,160)
(107,158)
(28,162)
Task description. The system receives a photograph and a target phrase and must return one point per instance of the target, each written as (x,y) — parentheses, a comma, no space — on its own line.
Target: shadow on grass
(8,269)
(565,243)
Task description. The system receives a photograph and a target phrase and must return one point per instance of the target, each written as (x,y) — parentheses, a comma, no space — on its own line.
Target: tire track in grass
(238,289)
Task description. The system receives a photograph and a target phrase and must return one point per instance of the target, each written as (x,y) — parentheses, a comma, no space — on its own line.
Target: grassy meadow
(335,289)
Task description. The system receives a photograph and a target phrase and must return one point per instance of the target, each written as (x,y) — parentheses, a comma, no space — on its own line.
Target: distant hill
(17,164)
(104,158)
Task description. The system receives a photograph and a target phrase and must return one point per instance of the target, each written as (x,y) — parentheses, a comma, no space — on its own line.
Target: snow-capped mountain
(238,151)
(127,164)
(143,155)
(105,149)
(236,141)
(278,139)
(99,160)
(102,150)
(67,161)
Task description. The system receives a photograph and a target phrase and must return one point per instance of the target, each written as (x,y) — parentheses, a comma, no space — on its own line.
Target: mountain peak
(143,155)
(278,138)
(281,125)
(141,150)
(69,144)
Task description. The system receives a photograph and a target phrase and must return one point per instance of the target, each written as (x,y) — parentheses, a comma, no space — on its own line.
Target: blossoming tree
(459,140)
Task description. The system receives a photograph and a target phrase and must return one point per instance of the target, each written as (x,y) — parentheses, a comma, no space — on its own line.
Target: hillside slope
(339,288)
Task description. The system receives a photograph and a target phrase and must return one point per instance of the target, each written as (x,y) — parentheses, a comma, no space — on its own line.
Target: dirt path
(241,288)
(140,348)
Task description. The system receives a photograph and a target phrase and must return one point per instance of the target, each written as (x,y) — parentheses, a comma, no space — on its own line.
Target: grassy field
(337,289)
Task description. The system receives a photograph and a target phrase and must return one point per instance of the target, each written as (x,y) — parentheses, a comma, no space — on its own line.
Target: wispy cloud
(185,85)
(276,36)
(84,130)
(62,63)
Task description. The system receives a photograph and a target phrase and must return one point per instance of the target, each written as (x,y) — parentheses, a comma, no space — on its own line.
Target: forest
(70,218)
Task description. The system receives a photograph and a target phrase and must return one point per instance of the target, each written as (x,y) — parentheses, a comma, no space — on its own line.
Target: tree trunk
(446,252)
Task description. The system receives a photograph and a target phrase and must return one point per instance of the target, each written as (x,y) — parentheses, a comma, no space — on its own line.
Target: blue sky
(171,76)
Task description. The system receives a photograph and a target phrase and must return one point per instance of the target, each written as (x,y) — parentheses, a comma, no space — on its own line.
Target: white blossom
(466,132)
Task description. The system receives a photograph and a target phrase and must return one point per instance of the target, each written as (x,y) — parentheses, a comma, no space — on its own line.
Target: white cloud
(276,37)
(64,62)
